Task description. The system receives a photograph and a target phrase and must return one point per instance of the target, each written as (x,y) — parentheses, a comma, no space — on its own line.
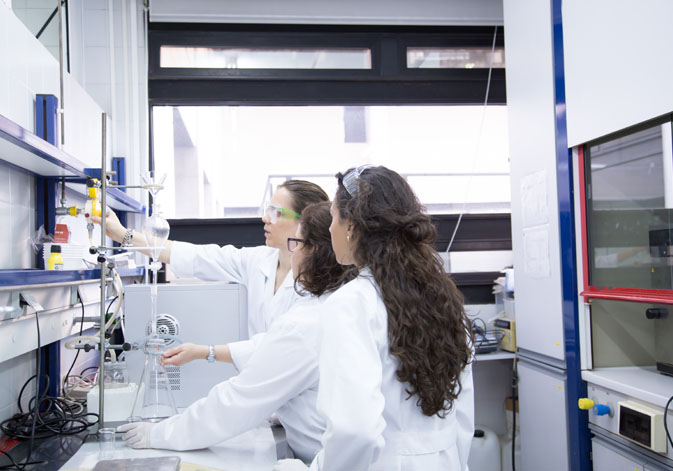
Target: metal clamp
(28,300)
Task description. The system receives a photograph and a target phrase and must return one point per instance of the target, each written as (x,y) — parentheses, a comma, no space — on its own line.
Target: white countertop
(640,382)
(497,355)
(252,451)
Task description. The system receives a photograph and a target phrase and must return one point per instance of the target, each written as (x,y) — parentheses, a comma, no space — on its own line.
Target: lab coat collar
(268,267)
(269,270)
(365,272)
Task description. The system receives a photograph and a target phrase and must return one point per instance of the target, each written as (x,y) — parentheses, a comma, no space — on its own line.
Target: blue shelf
(128,272)
(37,277)
(23,149)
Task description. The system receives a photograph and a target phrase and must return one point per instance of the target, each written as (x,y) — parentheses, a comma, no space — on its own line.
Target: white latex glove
(137,434)
(290,465)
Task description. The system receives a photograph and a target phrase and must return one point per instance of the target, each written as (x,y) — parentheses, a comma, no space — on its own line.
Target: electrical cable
(481,128)
(36,410)
(81,373)
(55,416)
(16,465)
(81,328)
(49,415)
(485,337)
(668,435)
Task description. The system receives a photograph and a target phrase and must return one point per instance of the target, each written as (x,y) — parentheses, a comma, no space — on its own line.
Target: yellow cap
(585,403)
(72,210)
(93,189)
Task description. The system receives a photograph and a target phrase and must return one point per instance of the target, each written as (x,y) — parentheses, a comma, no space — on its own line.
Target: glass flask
(156,230)
(154,399)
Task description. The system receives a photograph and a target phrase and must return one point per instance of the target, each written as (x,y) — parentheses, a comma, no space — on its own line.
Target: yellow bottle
(55,261)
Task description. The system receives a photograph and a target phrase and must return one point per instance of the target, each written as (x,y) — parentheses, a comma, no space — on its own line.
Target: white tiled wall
(17,213)
(26,69)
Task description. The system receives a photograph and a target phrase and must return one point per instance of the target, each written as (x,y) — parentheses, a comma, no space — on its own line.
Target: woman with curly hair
(395,361)
(280,376)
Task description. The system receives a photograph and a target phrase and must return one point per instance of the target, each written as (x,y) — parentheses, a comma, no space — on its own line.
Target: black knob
(111,265)
(101,259)
(656,313)
(479,433)
(88,347)
(126,346)
(92,250)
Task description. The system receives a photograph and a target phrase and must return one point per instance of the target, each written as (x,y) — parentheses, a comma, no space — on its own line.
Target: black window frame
(389,81)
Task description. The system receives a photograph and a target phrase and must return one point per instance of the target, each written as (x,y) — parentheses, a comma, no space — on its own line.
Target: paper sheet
(534,199)
(536,252)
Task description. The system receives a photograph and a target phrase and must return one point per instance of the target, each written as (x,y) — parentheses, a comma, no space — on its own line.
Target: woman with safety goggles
(281,375)
(265,271)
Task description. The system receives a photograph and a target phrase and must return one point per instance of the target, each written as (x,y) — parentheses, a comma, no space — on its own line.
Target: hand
(184,353)
(137,434)
(290,465)
(113,228)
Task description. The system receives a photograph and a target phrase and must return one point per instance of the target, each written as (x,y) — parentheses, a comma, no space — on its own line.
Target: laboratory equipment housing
(589,109)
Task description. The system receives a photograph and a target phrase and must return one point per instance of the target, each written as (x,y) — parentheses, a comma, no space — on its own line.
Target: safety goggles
(293,243)
(350,180)
(275,213)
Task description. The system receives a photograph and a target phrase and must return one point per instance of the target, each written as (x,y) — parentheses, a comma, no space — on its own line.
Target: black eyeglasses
(293,243)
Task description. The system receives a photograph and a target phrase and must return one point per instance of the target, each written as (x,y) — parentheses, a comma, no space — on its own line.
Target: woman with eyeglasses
(265,271)
(395,360)
(280,376)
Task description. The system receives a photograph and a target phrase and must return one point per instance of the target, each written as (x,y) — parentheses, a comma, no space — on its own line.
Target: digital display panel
(635,425)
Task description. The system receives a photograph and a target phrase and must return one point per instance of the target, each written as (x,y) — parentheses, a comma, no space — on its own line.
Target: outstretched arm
(186,352)
(116,231)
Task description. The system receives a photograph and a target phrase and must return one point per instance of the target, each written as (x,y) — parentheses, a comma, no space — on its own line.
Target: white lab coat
(254,267)
(280,376)
(370,422)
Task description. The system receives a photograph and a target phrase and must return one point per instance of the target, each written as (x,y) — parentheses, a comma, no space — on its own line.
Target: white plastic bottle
(485,451)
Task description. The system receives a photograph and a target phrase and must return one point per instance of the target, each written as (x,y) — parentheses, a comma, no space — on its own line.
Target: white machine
(208,313)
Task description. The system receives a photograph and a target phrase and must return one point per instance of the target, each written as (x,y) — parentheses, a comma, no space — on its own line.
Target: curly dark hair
(304,193)
(428,330)
(320,272)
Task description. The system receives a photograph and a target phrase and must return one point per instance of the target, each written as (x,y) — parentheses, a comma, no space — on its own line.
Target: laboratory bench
(255,450)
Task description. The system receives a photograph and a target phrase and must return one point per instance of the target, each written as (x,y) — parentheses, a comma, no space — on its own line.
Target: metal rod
(144,187)
(103,281)
(61,106)
(129,248)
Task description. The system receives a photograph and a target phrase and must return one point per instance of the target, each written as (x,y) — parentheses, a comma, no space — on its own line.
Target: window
(264,58)
(226,161)
(238,109)
(454,58)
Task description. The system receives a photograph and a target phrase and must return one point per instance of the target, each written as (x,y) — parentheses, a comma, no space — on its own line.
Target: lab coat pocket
(424,442)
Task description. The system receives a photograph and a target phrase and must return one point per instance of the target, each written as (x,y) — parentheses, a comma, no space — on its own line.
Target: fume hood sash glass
(629,210)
